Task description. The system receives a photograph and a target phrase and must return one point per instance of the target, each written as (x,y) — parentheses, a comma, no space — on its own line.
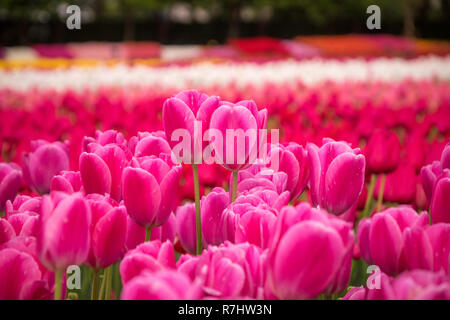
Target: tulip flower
(382,151)
(162,285)
(228,271)
(149,190)
(101,169)
(18,271)
(10,182)
(337,175)
(413,285)
(428,176)
(44,162)
(67,181)
(185,216)
(212,207)
(63,233)
(186,111)
(150,256)
(439,206)
(310,253)
(381,239)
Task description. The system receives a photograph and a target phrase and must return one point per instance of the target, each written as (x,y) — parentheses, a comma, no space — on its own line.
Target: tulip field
(120,180)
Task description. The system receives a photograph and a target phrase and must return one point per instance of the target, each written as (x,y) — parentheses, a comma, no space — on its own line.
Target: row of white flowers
(240,74)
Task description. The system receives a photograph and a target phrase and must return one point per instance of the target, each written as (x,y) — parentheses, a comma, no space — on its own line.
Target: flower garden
(357,205)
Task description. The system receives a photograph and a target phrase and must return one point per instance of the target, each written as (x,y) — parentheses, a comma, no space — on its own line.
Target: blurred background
(25,22)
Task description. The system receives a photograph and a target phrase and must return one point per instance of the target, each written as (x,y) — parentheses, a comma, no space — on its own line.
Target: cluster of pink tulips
(362,178)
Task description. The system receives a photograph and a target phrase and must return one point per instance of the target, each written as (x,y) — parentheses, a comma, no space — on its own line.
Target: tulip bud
(243,117)
(10,182)
(63,235)
(18,270)
(382,151)
(162,285)
(439,206)
(181,112)
(337,175)
(44,162)
(149,190)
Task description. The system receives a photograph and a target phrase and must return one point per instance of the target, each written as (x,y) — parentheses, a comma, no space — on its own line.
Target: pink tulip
(310,253)
(23,204)
(212,207)
(439,206)
(428,175)
(104,138)
(245,116)
(149,144)
(413,285)
(10,182)
(44,162)
(101,169)
(18,271)
(162,285)
(150,256)
(292,160)
(337,175)
(7,231)
(382,151)
(439,238)
(67,181)
(181,111)
(381,239)
(108,232)
(445,157)
(228,271)
(396,190)
(63,235)
(149,190)
(185,216)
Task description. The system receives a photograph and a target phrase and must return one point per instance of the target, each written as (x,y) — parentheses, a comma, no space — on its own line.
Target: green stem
(381,192)
(108,279)
(58,285)
(148,233)
(94,292)
(198,218)
(373,180)
(102,287)
(234,190)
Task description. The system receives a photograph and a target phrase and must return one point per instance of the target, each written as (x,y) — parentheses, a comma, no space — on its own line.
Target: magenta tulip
(108,232)
(181,111)
(162,285)
(101,169)
(212,207)
(149,190)
(382,151)
(310,253)
(381,239)
(241,117)
(150,256)
(10,182)
(439,206)
(185,216)
(63,231)
(44,162)
(67,181)
(337,175)
(18,270)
